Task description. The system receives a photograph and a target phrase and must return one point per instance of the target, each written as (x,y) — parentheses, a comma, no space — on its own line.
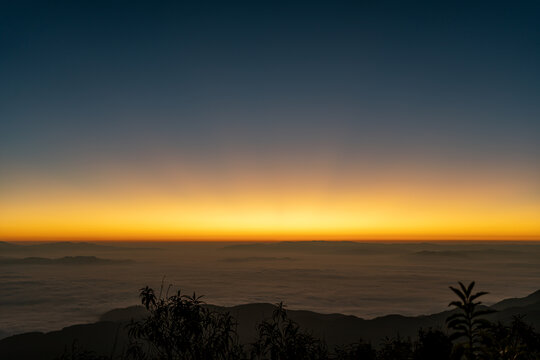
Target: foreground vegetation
(181,327)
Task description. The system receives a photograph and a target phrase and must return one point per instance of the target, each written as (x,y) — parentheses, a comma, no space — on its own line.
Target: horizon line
(273,240)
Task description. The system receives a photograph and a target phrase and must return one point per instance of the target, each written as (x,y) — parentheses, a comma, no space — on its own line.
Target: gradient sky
(269,120)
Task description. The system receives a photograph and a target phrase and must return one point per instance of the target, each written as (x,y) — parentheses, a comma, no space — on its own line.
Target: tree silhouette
(467,323)
(282,339)
(181,327)
(516,341)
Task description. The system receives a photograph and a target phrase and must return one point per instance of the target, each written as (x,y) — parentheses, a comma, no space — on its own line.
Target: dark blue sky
(370,85)
(465,75)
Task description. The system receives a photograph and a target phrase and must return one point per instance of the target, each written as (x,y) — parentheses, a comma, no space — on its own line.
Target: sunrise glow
(417,206)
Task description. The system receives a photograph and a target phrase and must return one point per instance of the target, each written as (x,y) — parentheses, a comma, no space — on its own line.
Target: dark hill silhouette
(529,300)
(335,329)
(135,313)
(99,337)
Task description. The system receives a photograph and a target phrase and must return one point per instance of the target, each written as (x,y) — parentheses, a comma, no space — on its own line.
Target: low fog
(49,286)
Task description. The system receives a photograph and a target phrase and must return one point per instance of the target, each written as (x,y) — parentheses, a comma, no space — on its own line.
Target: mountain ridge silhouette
(335,329)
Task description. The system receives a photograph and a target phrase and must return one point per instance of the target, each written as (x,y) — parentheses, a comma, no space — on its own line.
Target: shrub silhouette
(396,348)
(517,341)
(282,339)
(75,352)
(356,351)
(180,327)
(433,344)
(467,322)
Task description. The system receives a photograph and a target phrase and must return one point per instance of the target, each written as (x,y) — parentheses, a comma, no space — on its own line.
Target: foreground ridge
(185,327)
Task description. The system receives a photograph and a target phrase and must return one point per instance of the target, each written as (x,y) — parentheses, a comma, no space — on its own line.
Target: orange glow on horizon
(296,207)
(285,203)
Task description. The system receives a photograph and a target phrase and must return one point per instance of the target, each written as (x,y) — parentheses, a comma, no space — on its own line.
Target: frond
(477,295)
(469,289)
(480,323)
(460,294)
(456,316)
(457,304)
(456,324)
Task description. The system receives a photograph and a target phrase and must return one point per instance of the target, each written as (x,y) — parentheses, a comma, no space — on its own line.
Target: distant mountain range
(420,249)
(109,334)
(62,246)
(66,260)
(328,247)
(463,253)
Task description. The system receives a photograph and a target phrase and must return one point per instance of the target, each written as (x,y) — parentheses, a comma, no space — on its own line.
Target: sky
(366,120)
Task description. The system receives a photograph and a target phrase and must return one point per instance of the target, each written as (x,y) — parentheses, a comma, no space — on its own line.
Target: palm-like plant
(467,323)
